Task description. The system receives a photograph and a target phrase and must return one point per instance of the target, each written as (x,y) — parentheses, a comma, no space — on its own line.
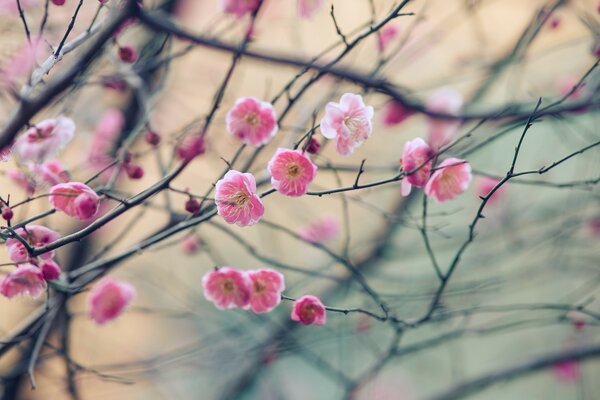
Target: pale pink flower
(308,8)
(236,198)
(108,299)
(227,288)
(395,113)
(417,155)
(386,35)
(191,244)
(21,180)
(291,172)
(75,199)
(10,6)
(35,236)
(239,7)
(324,229)
(266,286)
(567,371)
(252,121)
(309,310)
(485,185)
(49,173)
(348,121)
(441,131)
(22,63)
(105,136)
(26,279)
(450,180)
(5,153)
(50,270)
(43,141)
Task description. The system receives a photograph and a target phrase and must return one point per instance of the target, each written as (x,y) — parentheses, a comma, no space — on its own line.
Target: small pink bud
(50,270)
(127,54)
(58,2)
(115,83)
(191,147)
(554,22)
(152,138)
(7,213)
(313,146)
(309,310)
(192,206)
(134,171)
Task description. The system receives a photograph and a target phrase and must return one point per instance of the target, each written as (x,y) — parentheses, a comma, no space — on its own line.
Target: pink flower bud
(152,138)
(127,54)
(191,147)
(58,2)
(75,199)
(7,213)
(309,310)
(313,146)
(50,270)
(192,206)
(134,171)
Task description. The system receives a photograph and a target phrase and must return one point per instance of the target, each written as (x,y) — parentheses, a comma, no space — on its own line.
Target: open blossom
(416,155)
(252,121)
(26,279)
(43,141)
(348,121)
(485,185)
(321,230)
(227,288)
(239,7)
(308,8)
(75,199)
(266,286)
(191,244)
(450,180)
(441,131)
(291,172)
(104,139)
(49,173)
(22,63)
(395,113)
(35,236)
(309,310)
(108,299)
(236,198)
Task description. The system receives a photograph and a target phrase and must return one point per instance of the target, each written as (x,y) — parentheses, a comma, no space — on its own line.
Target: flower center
(259,287)
(240,198)
(294,170)
(252,119)
(228,286)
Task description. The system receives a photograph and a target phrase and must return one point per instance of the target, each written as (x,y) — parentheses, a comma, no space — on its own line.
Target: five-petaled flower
(26,279)
(451,179)
(266,286)
(35,236)
(309,310)
(291,172)
(416,161)
(252,121)
(75,199)
(227,288)
(441,131)
(236,198)
(108,299)
(348,121)
(43,141)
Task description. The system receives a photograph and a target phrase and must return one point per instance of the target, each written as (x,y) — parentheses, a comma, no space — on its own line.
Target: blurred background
(517,294)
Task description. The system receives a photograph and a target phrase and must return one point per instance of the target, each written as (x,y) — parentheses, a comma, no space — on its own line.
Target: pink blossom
(44,140)
(417,155)
(105,135)
(441,131)
(191,146)
(35,236)
(5,153)
(309,310)
(50,270)
(321,230)
(485,185)
(108,299)
(239,7)
(594,225)
(75,199)
(308,8)
(236,198)
(567,371)
(252,121)
(23,62)
(21,180)
(291,172)
(191,244)
(565,85)
(10,6)
(450,180)
(386,35)
(395,113)
(50,173)
(227,288)
(26,279)
(266,286)
(348,121)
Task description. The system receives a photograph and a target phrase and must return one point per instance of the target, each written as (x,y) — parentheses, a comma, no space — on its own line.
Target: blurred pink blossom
(441,131)
(26,279)
(227,288)
(416,154)
(35,236)
(308,8)
(75,199)
(321,230)
(108,299)
(450,180)
(309,310)
(43,141)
